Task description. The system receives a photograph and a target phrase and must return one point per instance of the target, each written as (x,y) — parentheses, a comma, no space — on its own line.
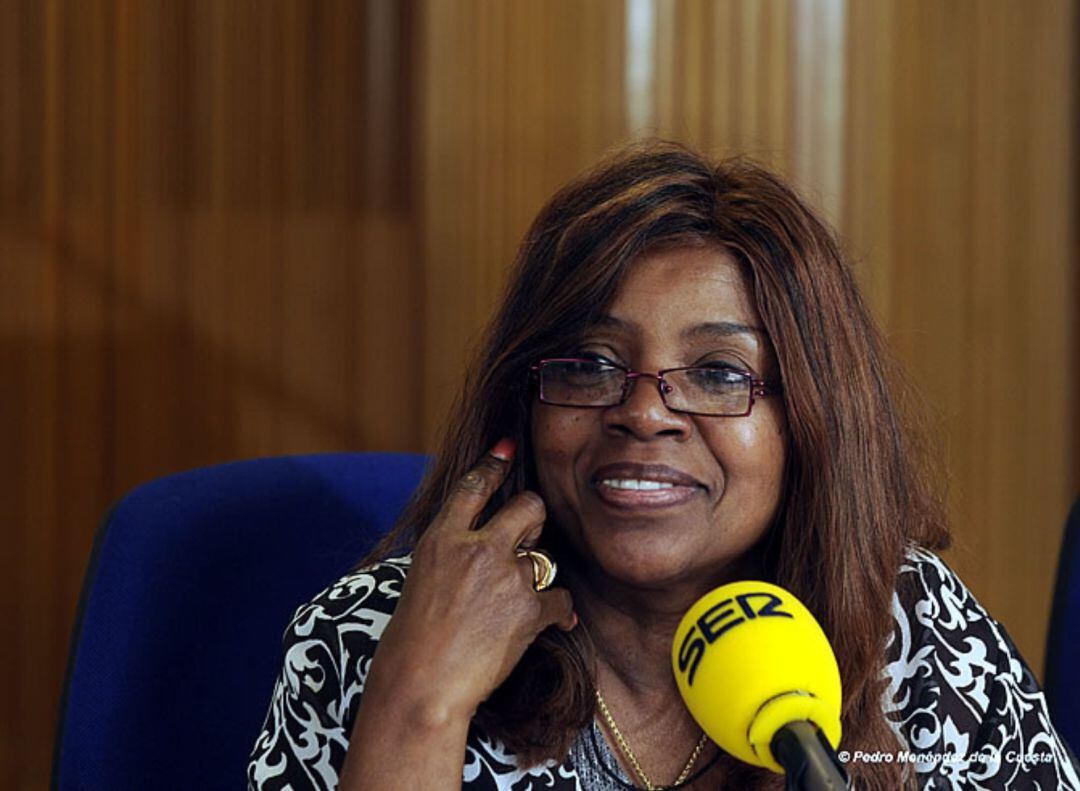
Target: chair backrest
(1062,676)
(191,583)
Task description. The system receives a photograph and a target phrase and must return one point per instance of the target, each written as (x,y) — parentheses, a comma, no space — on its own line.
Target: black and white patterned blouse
(959,696)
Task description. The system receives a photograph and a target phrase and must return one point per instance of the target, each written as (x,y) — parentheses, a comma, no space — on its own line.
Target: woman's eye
(595,357)
(722,365)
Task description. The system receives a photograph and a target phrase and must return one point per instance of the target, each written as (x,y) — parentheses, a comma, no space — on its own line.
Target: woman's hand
(468,610)
(466,615)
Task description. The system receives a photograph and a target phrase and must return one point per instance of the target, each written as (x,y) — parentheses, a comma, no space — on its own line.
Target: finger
(476,487)
(519,522)
(532,536)
(557,609)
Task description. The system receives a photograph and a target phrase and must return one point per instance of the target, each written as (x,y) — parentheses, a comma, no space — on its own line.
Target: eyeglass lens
(715,391)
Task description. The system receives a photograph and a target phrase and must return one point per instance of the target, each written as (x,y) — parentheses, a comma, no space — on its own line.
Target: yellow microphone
(760,678)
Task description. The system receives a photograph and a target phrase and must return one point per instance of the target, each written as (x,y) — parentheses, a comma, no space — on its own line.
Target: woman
(681,388)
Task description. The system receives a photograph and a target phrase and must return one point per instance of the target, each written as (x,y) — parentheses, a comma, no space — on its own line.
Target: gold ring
(543,567)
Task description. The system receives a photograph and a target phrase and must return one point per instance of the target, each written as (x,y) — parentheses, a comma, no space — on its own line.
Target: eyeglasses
(697,390)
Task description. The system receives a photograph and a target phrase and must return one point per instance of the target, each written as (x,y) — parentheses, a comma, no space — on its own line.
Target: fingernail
(504,449)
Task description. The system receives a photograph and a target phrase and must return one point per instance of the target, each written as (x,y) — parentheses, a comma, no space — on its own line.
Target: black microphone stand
(808,759)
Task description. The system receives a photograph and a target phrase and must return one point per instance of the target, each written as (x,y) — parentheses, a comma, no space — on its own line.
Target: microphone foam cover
(750,658)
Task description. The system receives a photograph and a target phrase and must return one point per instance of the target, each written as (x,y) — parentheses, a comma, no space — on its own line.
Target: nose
(643,414)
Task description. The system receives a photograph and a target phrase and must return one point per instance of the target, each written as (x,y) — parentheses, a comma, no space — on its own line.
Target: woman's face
(675,308)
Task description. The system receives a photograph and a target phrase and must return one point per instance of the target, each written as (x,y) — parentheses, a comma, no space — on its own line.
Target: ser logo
(718,619)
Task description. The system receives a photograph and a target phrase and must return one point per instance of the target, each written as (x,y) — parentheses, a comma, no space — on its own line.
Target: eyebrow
(721,329)
(711,329)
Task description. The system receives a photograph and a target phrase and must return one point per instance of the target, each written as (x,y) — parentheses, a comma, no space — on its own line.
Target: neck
(632,644)
(632,631)
(632,628)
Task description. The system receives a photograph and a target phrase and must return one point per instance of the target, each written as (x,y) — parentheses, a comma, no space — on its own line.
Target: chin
(652,561)
(647,561)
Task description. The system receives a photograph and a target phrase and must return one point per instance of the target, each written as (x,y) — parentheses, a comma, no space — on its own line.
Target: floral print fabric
(959,696)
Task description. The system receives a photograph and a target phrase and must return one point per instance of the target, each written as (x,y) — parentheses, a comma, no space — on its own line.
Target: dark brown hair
(856,493)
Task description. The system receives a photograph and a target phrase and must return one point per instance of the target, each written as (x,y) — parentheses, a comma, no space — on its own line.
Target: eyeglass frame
(759,388)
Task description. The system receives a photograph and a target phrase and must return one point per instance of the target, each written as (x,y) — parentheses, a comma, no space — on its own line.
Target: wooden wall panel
(516,98)
(724,77)
(961,199)
(232,229)
(869,137)
(206,253)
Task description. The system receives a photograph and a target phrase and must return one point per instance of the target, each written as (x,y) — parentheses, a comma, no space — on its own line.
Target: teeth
(632,483)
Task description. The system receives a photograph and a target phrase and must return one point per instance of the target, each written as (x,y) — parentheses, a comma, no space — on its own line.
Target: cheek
(558,437)
(752,451)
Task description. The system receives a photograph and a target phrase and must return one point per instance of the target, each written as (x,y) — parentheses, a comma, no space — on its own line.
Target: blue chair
(1062,677)
(190,585)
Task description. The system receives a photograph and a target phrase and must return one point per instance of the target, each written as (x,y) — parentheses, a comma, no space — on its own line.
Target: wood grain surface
(233,229)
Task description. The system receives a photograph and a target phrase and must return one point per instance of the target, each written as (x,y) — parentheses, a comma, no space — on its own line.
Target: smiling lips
(636,486)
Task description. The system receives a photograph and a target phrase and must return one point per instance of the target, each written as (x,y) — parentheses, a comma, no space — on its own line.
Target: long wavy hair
(857,491)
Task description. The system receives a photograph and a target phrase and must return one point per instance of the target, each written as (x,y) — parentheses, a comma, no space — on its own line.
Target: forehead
(685,287)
